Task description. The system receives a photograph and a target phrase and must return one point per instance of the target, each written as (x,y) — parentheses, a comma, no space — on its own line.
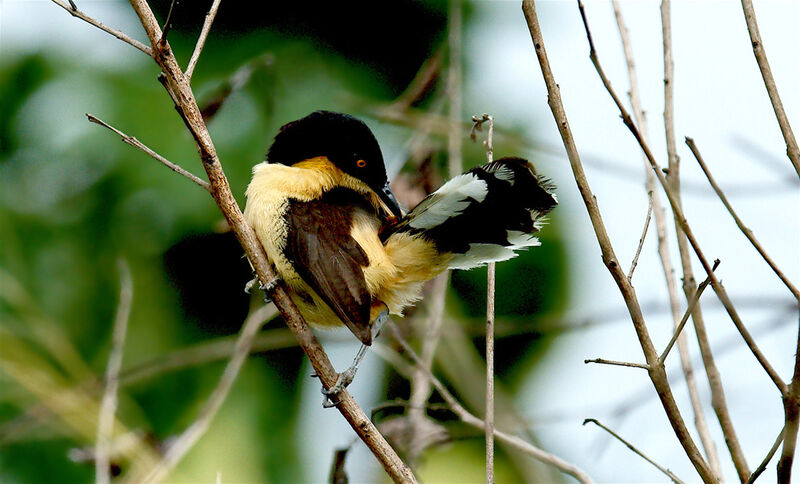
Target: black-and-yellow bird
(322,208)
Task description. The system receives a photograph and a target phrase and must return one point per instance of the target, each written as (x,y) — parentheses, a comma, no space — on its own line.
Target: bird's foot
(269,286)
(329,398)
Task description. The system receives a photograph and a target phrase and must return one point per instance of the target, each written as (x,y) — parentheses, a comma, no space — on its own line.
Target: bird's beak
(387,197)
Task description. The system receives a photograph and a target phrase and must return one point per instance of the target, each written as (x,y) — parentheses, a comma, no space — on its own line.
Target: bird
(323,210)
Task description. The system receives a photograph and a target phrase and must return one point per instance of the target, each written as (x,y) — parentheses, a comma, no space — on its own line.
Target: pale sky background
(720,101)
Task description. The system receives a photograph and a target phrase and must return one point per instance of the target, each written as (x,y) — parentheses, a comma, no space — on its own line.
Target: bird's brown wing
(329,260)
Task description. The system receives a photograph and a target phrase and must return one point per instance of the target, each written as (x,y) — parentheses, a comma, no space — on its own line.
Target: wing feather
(329,260)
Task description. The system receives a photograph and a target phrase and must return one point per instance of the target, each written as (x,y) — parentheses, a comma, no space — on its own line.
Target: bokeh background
(74,200)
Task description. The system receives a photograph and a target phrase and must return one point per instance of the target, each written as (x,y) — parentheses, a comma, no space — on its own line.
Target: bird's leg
(346,377)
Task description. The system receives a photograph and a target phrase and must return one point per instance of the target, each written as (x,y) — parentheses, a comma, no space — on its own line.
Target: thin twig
(638,452)
(73,10)
(108,405)
(167,24)
(792,150)
(603,361)
(746,231)
(689,310)
(476,422)
(681,219)
(138,144)
(657,374)
(761,467)
(201,41)
(644,236)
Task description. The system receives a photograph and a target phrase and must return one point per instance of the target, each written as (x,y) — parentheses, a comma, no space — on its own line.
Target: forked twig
(138,144)
(638,452)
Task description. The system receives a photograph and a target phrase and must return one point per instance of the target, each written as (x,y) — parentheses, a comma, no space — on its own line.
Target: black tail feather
(484,214)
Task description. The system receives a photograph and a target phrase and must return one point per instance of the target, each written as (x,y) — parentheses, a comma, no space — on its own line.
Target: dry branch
(656,372)
(138,144)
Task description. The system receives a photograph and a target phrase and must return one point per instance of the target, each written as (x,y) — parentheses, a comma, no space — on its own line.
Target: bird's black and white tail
(483,215)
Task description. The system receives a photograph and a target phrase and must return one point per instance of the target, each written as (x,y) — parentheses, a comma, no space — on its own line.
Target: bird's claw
(345,378)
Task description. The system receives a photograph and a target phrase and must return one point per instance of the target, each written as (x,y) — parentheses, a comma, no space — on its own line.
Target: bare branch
(201,41)
(644,235)
(617,363)
(474,421)
(656,372)
(108,405)
(138,144)
(73,10)
(638,452)
(689,310)
(746,231)
(792,150)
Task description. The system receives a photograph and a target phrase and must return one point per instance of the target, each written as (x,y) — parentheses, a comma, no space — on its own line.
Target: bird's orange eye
(361,163)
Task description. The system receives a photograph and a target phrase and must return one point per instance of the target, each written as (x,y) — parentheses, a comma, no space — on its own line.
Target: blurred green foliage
(74,199)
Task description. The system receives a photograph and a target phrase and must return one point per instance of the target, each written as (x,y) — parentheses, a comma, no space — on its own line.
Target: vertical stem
(490,286)
(489,425)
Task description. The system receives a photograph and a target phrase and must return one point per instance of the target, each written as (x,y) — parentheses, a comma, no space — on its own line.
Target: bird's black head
(346,141)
